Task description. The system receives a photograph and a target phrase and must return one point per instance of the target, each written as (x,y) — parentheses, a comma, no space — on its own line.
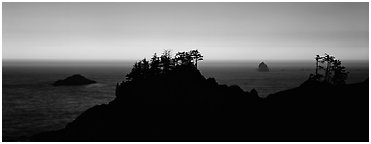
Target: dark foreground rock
(74,80)
(182,105)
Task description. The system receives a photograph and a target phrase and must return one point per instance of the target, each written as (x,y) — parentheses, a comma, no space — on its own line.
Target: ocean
(30,104)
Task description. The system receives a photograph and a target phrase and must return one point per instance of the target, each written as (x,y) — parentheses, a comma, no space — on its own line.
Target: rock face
(263,67)
(76,79)
(182,105)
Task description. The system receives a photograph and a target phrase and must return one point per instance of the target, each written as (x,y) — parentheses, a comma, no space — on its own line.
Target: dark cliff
(182,105)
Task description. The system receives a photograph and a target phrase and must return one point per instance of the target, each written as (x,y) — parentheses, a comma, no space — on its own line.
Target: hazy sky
(220,31)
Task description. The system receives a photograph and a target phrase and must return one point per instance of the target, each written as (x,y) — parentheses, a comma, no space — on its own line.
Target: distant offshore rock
(263,67)
(76,79)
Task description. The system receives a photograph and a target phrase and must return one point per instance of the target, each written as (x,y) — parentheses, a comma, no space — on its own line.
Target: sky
(220,31)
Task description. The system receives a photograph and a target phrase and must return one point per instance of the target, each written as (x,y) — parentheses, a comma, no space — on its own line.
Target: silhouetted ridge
(76,79)
(325,112)
(166,101)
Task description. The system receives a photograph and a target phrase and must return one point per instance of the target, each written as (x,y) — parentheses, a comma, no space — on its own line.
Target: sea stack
(76,79)
(263,67)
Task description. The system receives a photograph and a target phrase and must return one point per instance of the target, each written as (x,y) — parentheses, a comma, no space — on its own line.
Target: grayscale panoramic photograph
(185,71)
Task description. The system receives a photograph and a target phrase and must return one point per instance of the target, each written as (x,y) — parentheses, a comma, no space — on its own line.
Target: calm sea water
(32,105)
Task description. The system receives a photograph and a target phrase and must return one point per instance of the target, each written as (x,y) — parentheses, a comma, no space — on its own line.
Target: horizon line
(112,60)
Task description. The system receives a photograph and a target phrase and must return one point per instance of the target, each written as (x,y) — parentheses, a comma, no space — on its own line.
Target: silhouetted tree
(196,56)
(161,65)
(340,75)
(328,60)
(317,59)
(188,58)
(135,72)
(166,61)
(334,72)
(183,58)
(317,76)
(140,70)
(145,67)
(155,65)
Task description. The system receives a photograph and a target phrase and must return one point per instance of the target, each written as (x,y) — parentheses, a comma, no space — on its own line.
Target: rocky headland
(177,103)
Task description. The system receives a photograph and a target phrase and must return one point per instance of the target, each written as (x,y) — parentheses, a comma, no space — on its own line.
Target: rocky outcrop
(263,67)
(76,79)
(182,105)
(254,92)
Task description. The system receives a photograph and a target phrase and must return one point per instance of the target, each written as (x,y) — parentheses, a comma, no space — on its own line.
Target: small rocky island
(76,79)
(263,67)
